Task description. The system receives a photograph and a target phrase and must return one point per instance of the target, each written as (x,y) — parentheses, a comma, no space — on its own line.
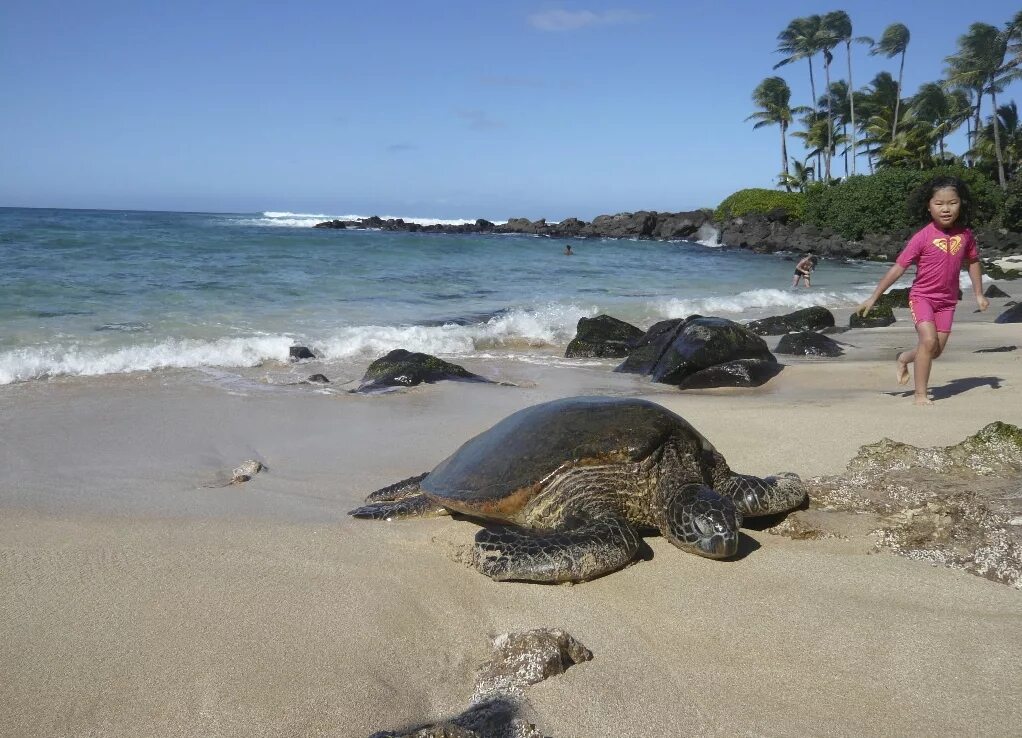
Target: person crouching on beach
(938,250)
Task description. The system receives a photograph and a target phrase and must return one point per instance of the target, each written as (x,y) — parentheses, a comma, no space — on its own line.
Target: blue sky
(457,109)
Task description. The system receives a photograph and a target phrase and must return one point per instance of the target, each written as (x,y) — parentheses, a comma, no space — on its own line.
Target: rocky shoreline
(761,233)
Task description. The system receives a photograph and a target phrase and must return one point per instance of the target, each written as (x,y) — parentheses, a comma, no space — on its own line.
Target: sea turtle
(575,481)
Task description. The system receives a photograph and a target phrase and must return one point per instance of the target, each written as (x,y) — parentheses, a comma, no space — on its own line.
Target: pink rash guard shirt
(938,257)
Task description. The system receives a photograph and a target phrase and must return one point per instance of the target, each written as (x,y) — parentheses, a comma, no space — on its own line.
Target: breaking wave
(308,220)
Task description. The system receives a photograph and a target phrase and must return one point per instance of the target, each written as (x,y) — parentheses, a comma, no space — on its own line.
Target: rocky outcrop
(773,232)
(645,224)
(955,506)
(808,343)
(698,352)
(878,317)
(814,318)
(518,661)
(765,233)
(602,337)
(297,353)
(402,368)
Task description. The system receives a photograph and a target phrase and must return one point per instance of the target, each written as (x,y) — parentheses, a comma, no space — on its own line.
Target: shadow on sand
(955,387)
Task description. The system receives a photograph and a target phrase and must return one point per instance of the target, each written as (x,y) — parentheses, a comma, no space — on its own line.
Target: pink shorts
(939,312)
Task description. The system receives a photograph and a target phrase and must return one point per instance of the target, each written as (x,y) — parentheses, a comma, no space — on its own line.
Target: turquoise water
(103,292)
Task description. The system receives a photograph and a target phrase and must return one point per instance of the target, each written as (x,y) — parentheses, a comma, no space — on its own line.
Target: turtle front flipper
(399,500)
(579,550)
(412,506)
(698,520)
(754,496)
(396,491)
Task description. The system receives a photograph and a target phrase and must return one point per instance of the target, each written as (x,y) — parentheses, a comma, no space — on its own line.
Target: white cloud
(571,20)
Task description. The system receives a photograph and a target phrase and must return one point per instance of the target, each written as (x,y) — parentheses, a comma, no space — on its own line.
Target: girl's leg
(931,345)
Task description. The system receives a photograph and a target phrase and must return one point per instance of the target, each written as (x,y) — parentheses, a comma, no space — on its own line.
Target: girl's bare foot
(902,370)
(923,400)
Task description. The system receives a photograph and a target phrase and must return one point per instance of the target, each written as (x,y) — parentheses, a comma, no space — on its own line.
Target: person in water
(567,250)
(804,269)
(938,250)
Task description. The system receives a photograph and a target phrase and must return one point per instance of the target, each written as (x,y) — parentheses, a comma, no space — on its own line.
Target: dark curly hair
(919,199)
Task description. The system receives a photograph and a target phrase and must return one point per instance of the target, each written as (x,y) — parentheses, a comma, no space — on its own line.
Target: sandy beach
(138,599)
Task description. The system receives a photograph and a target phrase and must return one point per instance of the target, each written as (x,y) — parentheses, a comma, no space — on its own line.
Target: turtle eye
(706,525)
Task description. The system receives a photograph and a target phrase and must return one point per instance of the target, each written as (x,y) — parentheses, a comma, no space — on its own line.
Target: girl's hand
(865,306)
(982,302)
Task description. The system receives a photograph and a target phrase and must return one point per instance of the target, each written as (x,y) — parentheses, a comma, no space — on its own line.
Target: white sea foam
(552,324)
(48,361)
(757,300)
(516,329)
(707,235)
(307,220)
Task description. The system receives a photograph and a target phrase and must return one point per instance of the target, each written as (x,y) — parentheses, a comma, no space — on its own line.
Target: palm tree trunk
(844,132)
(784,159)
(979,124)
(897,101)
(968,137)
(851,102)
(997,141)
(830,116)
(812,82)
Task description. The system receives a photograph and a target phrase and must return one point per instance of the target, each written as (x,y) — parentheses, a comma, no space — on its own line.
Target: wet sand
(136,600)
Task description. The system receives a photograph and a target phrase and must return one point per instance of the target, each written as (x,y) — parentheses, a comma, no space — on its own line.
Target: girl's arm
(892,276)
(976,276)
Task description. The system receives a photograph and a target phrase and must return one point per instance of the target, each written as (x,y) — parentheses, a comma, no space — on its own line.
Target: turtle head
(698,520)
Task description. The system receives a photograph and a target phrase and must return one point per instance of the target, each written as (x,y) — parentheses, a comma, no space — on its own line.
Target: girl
(938,251)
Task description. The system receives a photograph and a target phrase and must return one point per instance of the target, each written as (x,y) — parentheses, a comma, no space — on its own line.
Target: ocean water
(86,293)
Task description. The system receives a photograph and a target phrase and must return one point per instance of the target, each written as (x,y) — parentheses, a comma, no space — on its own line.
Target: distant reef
(761,233)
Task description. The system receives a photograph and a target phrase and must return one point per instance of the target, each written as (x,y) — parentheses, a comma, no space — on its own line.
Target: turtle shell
(494,474)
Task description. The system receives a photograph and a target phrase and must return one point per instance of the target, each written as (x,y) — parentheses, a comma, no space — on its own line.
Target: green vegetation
(892,200)
(758,200)
(1011,213)
(902,138)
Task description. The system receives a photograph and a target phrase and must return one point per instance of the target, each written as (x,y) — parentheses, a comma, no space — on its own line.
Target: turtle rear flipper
(754,496)
(415,505)
(582,549)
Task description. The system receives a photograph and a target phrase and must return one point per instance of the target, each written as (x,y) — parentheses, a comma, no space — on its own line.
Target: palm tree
(814,137)
(1014,30)
(828,43)
(801,175)
(945,111)
(1011,139)
(911,147)
(842,114)
(981,64)
(773,96)
(893,42)
(878,101)
(839,26)
(801,40)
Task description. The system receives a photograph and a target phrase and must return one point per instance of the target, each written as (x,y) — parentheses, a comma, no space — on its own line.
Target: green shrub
(1011,213)
(987,197)
(758,200)
(890,200)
